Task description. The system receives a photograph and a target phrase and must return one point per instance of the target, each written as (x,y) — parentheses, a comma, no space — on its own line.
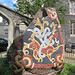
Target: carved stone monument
(41,46)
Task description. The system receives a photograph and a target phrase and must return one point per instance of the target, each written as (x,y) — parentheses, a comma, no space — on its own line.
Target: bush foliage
(69,69)
(4,68)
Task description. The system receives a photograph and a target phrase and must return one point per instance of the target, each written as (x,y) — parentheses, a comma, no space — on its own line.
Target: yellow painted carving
(53,14)
(53,31)
(29,61)
(25,46)
(41,24)
(54,27)
(26,52)
(19,63)
(48,55)
(32,38)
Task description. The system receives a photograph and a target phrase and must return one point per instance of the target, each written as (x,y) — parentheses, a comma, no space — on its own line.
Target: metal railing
(69,52)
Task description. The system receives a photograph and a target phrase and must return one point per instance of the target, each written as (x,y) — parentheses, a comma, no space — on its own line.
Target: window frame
(71,8)
(72,35)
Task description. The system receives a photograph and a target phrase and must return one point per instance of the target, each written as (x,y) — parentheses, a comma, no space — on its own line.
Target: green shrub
(4,68)
(69,69)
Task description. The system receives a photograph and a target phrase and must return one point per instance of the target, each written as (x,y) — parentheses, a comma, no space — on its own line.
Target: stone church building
(69,26)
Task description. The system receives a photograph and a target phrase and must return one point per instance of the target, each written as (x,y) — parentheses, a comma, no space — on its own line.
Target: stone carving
(42,45)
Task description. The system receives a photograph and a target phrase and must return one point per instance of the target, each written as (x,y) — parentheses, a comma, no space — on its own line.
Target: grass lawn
(69,69)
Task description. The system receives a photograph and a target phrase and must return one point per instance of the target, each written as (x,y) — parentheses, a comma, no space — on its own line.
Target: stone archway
(10,28)
(15,20)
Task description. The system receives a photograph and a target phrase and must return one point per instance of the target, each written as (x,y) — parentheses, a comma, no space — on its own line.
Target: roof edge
(14,11)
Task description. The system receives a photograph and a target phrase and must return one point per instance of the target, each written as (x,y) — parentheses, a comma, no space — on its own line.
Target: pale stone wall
(14,21)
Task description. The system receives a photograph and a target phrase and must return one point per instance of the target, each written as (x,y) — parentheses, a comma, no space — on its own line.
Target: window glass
(70,4)
(6,32)
(70,10)
(71,31)
(6,27)
(73,10)
(74,25)
(72,7)
(71,25)
(72,28)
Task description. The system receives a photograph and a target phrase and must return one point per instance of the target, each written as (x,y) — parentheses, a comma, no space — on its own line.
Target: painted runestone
(42,44)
